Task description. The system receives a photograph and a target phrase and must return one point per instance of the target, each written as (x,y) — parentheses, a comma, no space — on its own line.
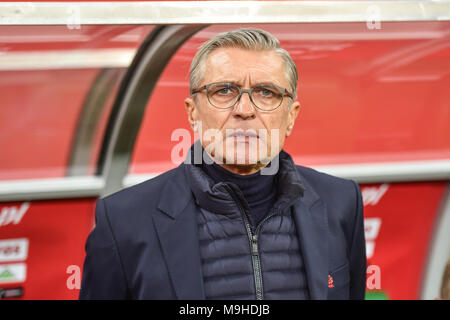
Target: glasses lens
(223,95)
(267,97)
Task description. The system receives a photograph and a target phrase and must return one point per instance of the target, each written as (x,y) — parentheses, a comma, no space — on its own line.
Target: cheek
(276,127)
(211,120)
(276,123)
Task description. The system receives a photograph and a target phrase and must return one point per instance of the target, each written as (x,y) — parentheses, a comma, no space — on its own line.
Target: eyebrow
(254,85)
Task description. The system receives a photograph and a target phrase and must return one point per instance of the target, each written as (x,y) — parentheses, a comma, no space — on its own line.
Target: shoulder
(342,196)
(144,195)
(128,212)
(323,181)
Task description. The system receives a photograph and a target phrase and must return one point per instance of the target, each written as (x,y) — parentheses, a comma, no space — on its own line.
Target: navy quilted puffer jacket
(241,260)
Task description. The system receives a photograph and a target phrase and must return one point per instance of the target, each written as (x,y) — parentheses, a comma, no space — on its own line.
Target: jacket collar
(177,232)
(175,194)
(311,219)
(215,197)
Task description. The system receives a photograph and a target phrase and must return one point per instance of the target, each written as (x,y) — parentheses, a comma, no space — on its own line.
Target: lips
(241,133)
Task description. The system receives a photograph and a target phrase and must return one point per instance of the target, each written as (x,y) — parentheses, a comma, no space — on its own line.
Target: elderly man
(240,221)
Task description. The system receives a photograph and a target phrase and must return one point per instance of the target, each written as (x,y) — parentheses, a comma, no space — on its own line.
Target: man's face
(228,134)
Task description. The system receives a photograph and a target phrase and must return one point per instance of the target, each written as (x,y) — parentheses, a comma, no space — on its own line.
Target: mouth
(239,133)
(241,136)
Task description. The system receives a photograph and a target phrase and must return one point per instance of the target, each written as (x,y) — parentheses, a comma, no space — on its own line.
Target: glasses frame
(241,91)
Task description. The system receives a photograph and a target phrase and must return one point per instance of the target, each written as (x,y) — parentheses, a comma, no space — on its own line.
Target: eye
(266,92)
(225,90)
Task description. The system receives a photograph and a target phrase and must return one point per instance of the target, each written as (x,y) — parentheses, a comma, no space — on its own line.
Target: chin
(245,161)
(241,157)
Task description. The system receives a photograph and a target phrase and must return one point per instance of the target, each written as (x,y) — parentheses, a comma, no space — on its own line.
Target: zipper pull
(254,245)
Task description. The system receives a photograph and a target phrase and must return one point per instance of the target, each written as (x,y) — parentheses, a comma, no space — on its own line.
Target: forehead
(245,66)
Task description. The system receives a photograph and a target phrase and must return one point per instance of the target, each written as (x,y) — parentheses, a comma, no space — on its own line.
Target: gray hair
(250,39)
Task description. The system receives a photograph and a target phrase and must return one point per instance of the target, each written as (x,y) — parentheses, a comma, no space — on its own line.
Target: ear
(292,116)
(191,110)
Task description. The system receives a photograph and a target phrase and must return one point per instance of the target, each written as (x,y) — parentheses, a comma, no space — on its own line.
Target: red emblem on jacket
(330,282)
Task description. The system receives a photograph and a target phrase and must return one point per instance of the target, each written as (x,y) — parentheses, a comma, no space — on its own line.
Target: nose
(244,107)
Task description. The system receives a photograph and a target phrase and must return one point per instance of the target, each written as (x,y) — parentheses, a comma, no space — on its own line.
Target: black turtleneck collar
(260,191)
(255,187)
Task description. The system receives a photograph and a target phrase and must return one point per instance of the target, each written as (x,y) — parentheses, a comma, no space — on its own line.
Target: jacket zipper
(253,238)
(256,260)
(255,253)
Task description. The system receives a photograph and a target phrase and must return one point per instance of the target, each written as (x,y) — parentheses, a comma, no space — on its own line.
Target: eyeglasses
(225,95)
